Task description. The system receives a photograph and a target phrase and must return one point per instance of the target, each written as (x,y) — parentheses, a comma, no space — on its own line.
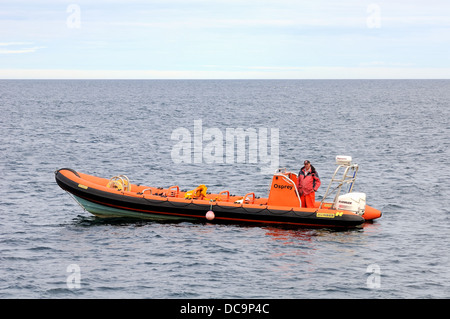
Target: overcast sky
(225,39)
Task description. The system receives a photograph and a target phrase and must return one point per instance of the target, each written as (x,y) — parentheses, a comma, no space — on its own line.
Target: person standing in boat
(307,184)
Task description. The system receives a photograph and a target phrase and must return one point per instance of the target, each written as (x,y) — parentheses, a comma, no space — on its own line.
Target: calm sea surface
(397,131)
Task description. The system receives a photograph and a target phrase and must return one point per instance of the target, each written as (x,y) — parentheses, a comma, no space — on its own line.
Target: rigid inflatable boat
(117,197)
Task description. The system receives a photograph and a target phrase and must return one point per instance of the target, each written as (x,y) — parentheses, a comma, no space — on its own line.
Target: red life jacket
(308,183)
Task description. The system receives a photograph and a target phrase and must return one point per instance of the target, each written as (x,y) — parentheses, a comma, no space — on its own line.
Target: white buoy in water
(210,215)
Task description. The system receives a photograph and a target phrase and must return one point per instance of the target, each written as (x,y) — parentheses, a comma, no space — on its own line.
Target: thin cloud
(5,44)
(17,48)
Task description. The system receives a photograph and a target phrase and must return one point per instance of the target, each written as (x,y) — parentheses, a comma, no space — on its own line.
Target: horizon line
(304,73)
(222,79)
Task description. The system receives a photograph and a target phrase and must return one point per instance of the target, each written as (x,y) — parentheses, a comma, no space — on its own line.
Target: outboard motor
(354,202)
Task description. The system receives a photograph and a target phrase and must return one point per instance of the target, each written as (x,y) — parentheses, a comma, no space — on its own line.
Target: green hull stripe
(106,211)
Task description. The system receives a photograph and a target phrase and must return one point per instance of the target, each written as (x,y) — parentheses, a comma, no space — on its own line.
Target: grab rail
(245,198)
(127,185)
(147,189)
(169,192)
(227,193)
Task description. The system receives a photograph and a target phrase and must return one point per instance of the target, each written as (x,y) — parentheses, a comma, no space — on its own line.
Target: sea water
(396,130)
